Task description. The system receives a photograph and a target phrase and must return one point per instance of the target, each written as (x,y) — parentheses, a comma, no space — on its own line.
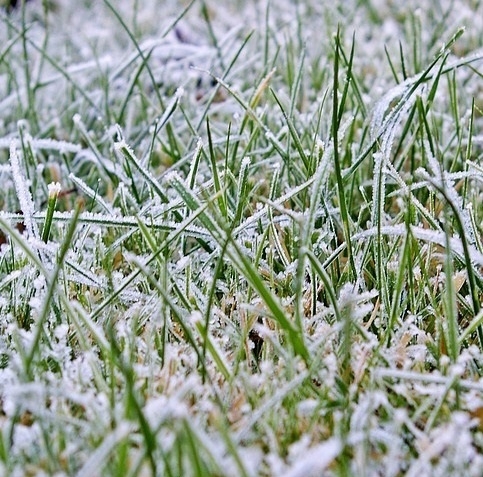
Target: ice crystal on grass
(315,460)
(23,193)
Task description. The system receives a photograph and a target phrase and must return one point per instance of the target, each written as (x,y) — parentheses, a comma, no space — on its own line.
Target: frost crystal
(54,189)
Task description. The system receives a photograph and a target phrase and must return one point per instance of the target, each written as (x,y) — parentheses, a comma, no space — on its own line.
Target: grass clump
(240,248)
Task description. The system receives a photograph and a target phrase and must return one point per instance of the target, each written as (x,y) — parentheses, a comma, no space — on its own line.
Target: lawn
(241,238)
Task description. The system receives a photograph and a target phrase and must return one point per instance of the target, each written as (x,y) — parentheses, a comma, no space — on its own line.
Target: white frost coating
(170,107)
(452,438)
(196,154)
(179,93)
(432,378)
(263,210)
(195,318)
(161,408)
(425,235)
(127,152)
(23,193)
(246,161)
(98,459)
(10,277)
(172,177)
(378,188)
(54,189)
(271,401)
(385,129)
(316,460)
(122,144)
(383,104)
(128,221)
(43,144)
(441,178)
(358,303)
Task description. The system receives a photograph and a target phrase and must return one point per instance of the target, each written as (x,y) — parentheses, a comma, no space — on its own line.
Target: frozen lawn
(212,265)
